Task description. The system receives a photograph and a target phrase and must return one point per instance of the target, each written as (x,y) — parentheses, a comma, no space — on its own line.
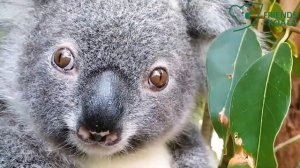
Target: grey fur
(123,36)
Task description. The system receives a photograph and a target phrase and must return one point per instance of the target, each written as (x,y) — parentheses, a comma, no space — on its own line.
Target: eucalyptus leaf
(260,102)
(296,66)
(239,166)
(293,47)
(229,56)
(277,22)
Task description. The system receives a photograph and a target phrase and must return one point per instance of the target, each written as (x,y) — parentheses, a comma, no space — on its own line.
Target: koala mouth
(104,138)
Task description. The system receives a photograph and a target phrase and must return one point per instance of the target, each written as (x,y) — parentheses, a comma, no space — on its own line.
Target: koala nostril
(106,138)
(84,133)
(102,134)
(111,139)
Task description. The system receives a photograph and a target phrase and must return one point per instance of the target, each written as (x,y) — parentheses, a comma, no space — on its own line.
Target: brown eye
(159,78)
(64,59)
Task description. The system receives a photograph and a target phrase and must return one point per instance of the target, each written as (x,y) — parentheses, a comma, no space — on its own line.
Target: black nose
(102,106)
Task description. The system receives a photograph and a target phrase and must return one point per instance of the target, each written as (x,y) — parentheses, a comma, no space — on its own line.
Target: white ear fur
(16,20)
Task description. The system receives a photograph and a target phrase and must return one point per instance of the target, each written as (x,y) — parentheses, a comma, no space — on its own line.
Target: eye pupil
(159,78)
(63,58)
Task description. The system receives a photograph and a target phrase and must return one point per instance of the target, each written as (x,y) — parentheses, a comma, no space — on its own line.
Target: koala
(105,84)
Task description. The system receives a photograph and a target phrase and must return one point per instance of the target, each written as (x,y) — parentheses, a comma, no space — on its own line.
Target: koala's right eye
(158,78)
(64,59)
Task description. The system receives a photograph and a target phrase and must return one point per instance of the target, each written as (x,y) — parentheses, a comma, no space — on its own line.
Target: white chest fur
(155,156)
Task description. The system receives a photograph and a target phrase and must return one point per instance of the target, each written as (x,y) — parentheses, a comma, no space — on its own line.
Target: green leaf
(277,22)
(259,104)
(272,1)
(296,59)
(239,166)
(229,56)
(293,47)
(296,66)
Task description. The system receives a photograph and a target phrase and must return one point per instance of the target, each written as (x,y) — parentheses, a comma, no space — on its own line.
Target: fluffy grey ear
(207,18)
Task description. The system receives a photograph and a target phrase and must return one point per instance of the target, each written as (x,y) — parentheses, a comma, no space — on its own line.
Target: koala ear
(208,18)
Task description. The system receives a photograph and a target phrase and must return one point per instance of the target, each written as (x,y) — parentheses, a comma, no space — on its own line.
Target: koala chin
(105,84)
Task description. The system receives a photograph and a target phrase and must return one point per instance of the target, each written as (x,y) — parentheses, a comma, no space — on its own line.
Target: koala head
(106,77)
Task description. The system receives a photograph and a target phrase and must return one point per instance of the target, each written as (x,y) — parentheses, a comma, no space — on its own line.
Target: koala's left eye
(158,78)
(64,59)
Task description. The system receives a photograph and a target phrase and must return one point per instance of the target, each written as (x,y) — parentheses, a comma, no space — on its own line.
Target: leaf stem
(206,128)
(293,29)
(288,142)
(285,36)
(297,11)
(228,152)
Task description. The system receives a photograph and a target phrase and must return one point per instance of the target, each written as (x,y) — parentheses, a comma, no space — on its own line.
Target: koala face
(106,77)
